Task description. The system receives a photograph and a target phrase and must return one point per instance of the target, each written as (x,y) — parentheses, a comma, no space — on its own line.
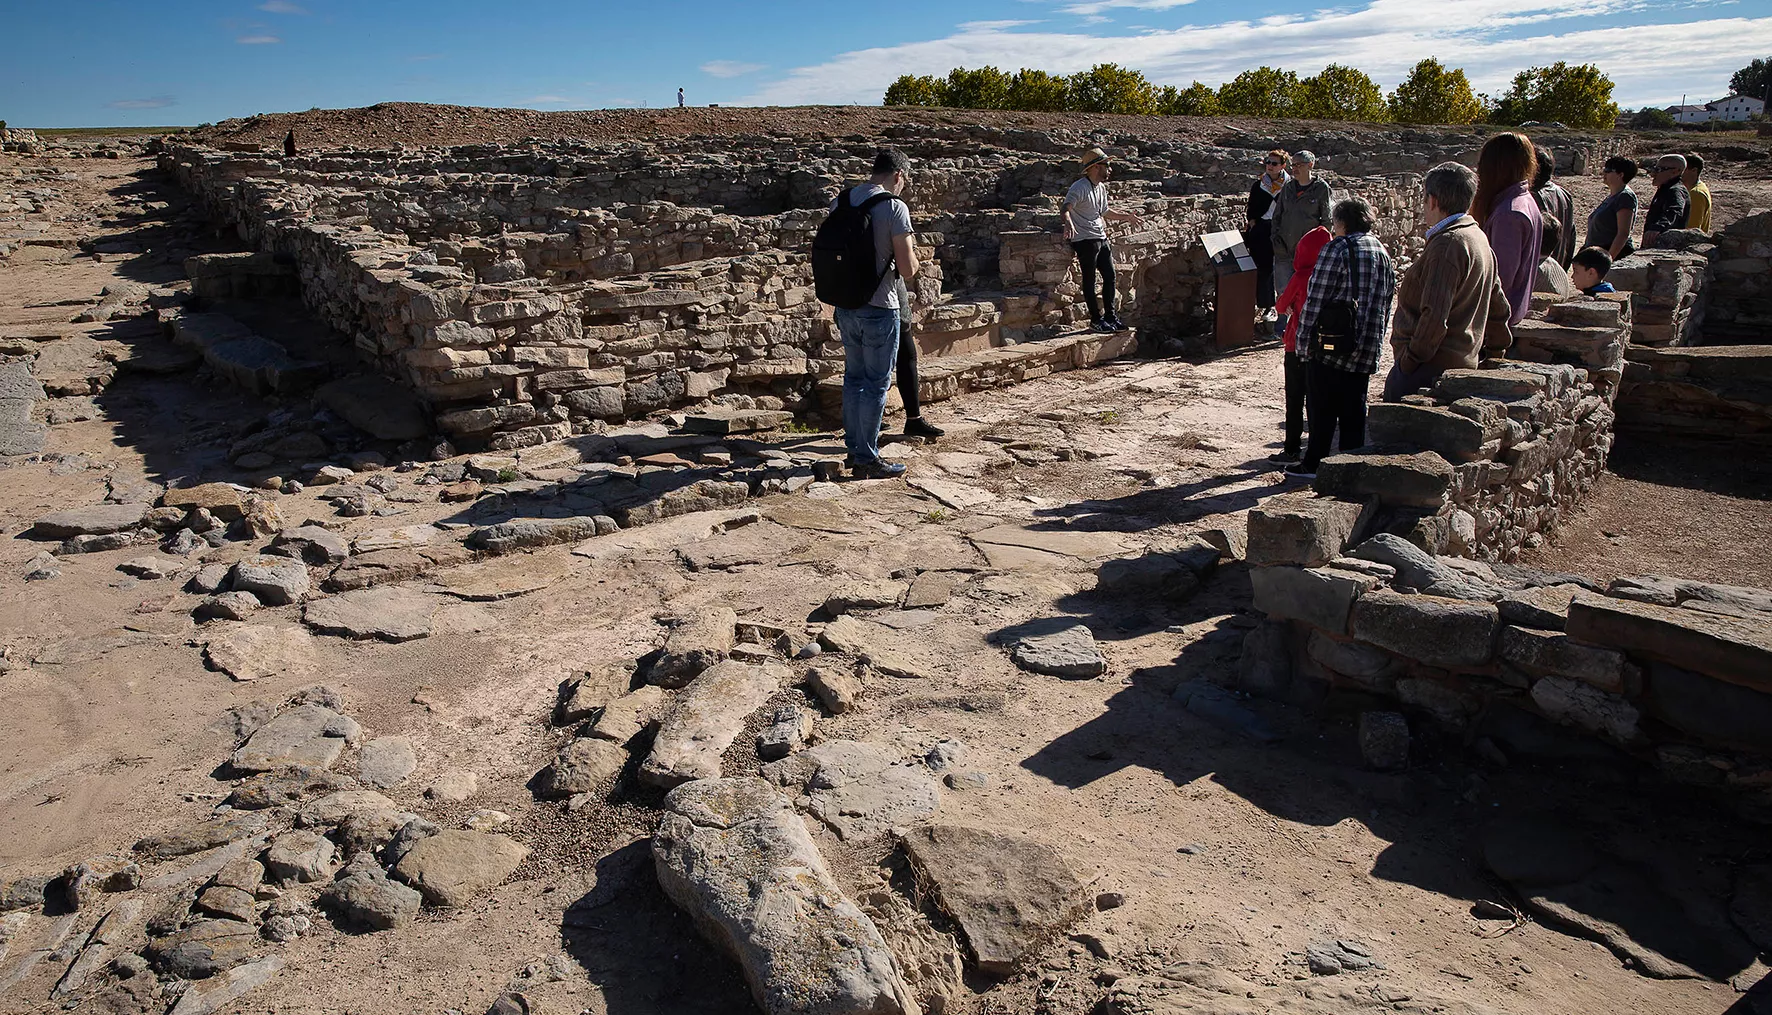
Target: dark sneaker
(1283,455)
(1116,324)
(1302,469)
(877,470)
(917,426)
(1105,328)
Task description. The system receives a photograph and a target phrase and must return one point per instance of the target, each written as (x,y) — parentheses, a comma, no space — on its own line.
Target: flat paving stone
(388,614)
(256,651)
(1059,647)
(386,762)
(306,736)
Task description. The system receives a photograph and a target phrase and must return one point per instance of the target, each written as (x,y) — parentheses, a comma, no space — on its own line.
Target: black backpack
(843,272)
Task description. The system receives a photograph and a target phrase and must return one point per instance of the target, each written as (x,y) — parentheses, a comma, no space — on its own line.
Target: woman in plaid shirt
(1355,267)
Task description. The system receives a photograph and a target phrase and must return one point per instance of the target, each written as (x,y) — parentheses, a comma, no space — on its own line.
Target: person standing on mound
(1086,214)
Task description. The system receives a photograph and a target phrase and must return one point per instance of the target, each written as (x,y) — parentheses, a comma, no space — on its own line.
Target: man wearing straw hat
(1085,213)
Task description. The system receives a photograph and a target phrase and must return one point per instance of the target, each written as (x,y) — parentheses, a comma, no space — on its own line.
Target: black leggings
(907,371)
(1335,397)
(1096,256)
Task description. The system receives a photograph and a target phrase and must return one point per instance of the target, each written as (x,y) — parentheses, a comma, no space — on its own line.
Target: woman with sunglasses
(1258,234)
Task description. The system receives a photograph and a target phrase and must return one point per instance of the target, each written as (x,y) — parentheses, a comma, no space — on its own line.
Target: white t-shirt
(1088,202)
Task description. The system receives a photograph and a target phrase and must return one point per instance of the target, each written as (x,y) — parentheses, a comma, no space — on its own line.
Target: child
(1588,271)
(1291,303)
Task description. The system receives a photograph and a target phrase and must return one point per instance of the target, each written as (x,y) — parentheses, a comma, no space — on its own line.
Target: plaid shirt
(1352,267)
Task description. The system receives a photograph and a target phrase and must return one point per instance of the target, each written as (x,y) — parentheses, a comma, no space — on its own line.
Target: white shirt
(1088,202)
(1285,178)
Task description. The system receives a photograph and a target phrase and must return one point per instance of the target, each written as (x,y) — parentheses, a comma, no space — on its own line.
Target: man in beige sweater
(1451,308)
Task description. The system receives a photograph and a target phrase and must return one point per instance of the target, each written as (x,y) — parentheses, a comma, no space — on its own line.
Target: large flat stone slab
(1304,529)
(504,577)
(1431,629)
(1063,543)
(858,789)
(695,643)
(1060,647)
(1736,649)
(256,651)
(94,520)
(307,736)
(1008,893)
(894,653)
(1417,480)
(958,496)
(733,855)
(387,614)
(707,717)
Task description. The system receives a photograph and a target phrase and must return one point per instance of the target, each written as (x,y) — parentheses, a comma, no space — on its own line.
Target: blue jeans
(870,347)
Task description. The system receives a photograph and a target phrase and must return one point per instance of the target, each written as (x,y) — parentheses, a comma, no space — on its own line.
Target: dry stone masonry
(528,292)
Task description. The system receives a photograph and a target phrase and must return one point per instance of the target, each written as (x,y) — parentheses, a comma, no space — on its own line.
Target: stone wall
(1487,462)
(1677,672)
(1741,290)
(560,284)
(1722,392)
(1670,293)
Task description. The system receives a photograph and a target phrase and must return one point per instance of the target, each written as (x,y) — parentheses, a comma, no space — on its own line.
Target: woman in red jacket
(1291,304)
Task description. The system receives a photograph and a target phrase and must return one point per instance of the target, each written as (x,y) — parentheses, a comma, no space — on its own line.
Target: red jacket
(1304,260)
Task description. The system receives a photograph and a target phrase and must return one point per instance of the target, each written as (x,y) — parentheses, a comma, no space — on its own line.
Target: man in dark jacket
(1669,208)
(1556,204)
(1451,306)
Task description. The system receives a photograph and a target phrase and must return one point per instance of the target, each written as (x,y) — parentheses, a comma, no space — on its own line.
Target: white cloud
(730,68)
(1094,7)
(258,40)
(157,102)
(995,26)
(1650,64)
(282,7)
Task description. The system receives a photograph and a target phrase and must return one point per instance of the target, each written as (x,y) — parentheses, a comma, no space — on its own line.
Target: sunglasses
(1271,162)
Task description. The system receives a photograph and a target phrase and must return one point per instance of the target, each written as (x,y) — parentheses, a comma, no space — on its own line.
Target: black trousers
(1337,399)
(1260,241)
(907,371)
(1297,383)
(1096,257)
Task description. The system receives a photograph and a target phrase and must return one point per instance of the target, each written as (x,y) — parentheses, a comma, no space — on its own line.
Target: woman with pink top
(1507,211)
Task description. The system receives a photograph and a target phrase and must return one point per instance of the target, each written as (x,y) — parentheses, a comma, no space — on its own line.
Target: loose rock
(451,867)
(1061,648)
(707,716)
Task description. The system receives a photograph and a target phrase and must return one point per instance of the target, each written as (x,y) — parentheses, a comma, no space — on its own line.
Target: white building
(1735,108)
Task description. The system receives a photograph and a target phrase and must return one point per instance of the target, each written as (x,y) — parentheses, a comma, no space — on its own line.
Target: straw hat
(1093,156)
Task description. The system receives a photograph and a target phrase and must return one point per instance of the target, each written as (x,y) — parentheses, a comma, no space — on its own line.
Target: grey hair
(1670,161)
(890,160)
(1452,185)
(1356,214)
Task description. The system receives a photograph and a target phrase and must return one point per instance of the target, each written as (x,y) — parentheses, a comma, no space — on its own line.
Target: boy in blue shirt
(1588,271)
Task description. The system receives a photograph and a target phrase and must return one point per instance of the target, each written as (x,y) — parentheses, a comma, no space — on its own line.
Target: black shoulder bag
(1338,322)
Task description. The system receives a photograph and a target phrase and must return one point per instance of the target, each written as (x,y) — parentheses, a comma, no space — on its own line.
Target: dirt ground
(1232,855)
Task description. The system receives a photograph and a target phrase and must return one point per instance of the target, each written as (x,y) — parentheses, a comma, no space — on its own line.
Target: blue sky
(87,62)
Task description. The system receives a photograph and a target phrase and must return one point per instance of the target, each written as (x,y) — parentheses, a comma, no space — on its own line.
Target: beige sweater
(1451,307)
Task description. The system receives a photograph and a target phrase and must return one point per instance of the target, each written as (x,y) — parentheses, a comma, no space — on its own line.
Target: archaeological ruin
(450,544)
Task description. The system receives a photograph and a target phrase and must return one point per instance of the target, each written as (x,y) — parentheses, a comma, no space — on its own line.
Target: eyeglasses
(1274,162)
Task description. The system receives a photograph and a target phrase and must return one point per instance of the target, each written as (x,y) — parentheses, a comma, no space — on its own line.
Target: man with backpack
(859,255)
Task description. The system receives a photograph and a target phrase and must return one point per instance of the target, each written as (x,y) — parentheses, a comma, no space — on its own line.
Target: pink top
(1515,228)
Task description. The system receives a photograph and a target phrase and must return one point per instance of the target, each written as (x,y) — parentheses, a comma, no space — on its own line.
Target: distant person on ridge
(679,98)
(1699,193)
(1671,206)
(289,143)
(1451,304)
(1556,204)
(1302,205)
(1086,213)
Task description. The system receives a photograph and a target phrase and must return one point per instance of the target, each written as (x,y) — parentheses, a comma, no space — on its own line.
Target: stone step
(242,356)
(945,377)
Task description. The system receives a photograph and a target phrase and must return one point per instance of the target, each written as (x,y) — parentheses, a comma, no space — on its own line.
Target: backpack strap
(866,208)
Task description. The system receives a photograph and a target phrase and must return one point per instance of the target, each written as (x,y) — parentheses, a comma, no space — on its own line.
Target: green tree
(1578,96)
(1038,91)
(1110,88)
(984,88)
(916,90)
(1264,91)
(1341,93)
(1651,118)
(1752,79)
(1194,100)
(1433,94)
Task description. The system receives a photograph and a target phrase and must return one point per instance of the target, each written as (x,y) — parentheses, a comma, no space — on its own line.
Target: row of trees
(1579,96)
